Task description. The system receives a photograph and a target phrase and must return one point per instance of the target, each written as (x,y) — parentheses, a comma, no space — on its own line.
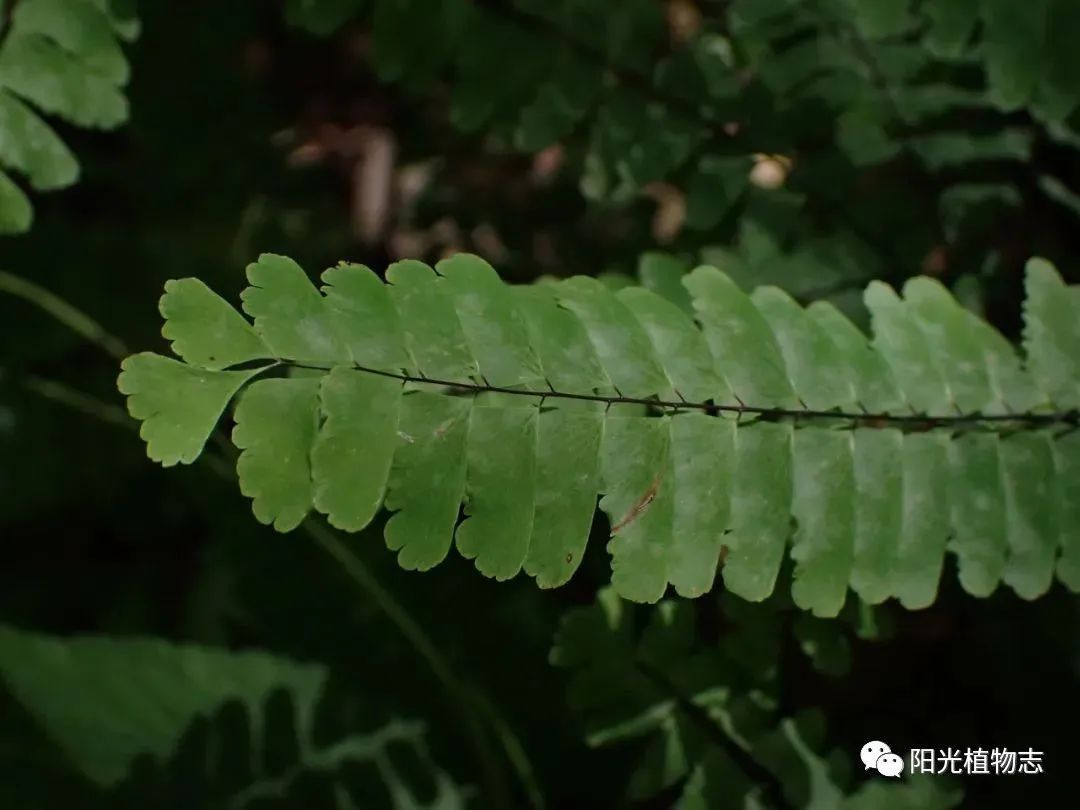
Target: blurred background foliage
(811,144)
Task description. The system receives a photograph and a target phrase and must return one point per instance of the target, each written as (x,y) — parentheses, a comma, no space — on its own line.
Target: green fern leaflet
(62,58)
(718,438)
(210,728)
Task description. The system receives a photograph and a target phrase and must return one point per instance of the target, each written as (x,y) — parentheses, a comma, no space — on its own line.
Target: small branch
(915,421)
(63,394)
(73,318)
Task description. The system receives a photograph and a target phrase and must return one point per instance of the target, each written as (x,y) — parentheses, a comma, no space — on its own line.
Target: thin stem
(466,699)
(919,420)
(73,318)
(65,395)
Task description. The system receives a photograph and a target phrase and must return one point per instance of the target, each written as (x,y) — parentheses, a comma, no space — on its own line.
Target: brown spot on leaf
(639,506)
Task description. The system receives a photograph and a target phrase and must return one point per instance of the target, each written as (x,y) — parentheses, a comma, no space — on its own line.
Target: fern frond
(838,85)
(62,58)
(259,757)
(707,714)
(209,728)
(533,73)
(447,387)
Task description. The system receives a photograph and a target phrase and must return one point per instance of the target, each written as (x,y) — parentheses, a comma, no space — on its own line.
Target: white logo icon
(877,755)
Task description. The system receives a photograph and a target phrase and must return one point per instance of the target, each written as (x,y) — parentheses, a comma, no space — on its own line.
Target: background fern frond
(706,717)
(784,144)
(62,58)
(202,727)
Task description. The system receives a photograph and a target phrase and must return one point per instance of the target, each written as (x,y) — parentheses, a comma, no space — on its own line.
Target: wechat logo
(877,755)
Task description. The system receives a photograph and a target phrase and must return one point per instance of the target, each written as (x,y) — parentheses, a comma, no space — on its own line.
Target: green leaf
(743,347)
(568,357)
(365,317)
(178,405)
(414,39)
(815,366)
(494,328)
(1013,387)
(567,480)
(956,349)
(482,96)
(760,507)
(276,421)
(1012,47)
(1058,93)
(952,25)
(823,547)
(717,184)
(875,386)
(79,690)
(427,480)
(879,504)
(500,486)
(30,146)
(638,499)
(1027,470)
(39,70)
(1052,334)
(920,553)
(703,459)
(978,512)
(638,143)
(80,28)
(662,274)
(1067,463)
(559,104)
(1060,193)
(210,728)
(15,211)
(350,459)
(907,350)
(679,345)
(63,57)
(204,329)
(620,341)
(289,313)
(121,15)
(433,333)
